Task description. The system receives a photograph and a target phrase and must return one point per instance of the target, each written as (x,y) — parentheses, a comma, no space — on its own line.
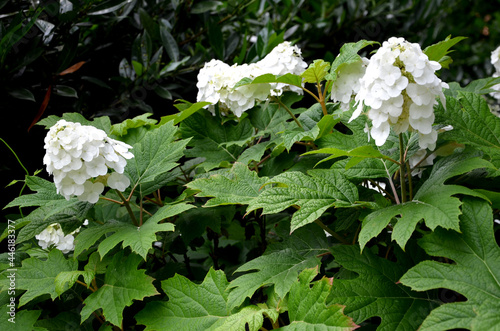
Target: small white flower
(91,191)
(118,181)
(53,236)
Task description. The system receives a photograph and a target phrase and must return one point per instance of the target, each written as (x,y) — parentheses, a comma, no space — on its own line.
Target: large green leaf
(239,186)
(473,123)
(434,202)
(19,320)
(313,194)
(155,154)
(193,307)
(121,129)
(307,307)
(54,208)
(45,194)
(375,292)
(475,272)
(37,277)
(103,122)
(70,214)
(123,283)
(280,265)
(439,51)
(348,54)
(211,138)
(316,72)
(139,239)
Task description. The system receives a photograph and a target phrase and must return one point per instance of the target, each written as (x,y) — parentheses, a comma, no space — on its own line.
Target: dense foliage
(357,191)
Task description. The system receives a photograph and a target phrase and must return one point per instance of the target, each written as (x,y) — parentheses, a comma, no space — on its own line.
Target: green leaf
(192,306)
(307,307)
(155,154)
(103,122)
(290,79)
(348,54)
(169,43)
(64,212)
(473,123)
(208,136)
(67,279)
(123,283)
(434,202)
(375,292)
(22,93)
(216,39)
(65,91)
(313,194)
(361,153)
(20,320)
(254,153)
(138,68)
(45,194)
(37,277)
(121,129)
(239,186)
(185,113)
(316,72)
(280,265)
(438,51)
(139,239)
(475,272)
(248,318)
(202,7)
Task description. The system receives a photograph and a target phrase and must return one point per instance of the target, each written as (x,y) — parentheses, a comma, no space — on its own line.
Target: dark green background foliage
(126,58)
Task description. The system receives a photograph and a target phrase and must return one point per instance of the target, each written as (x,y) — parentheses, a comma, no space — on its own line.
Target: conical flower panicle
(216,80)
(80,156)
(400,88)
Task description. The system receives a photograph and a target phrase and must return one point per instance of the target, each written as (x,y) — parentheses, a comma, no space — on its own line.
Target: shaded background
(122,58)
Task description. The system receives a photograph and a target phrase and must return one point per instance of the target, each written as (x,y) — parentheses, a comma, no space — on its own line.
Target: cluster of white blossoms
(495,61)
(400,88)
(216,80)
(79,157)
(53,236)
(347,83)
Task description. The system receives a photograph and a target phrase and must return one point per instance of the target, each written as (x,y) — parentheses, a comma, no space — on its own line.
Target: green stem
(410,182)
(321,99)
(402,169)
(391,183)
(127,205)
(312,94)
(17,158)
(331,232)
(289,112)
(22,166)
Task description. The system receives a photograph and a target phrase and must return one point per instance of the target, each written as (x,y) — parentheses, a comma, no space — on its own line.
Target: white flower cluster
(400,87)
(495,61)
(216,80)
(79,157)
(53,236)
(347,83)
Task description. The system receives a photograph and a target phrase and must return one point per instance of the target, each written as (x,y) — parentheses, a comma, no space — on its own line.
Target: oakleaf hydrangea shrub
(271,208)
(80,157)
